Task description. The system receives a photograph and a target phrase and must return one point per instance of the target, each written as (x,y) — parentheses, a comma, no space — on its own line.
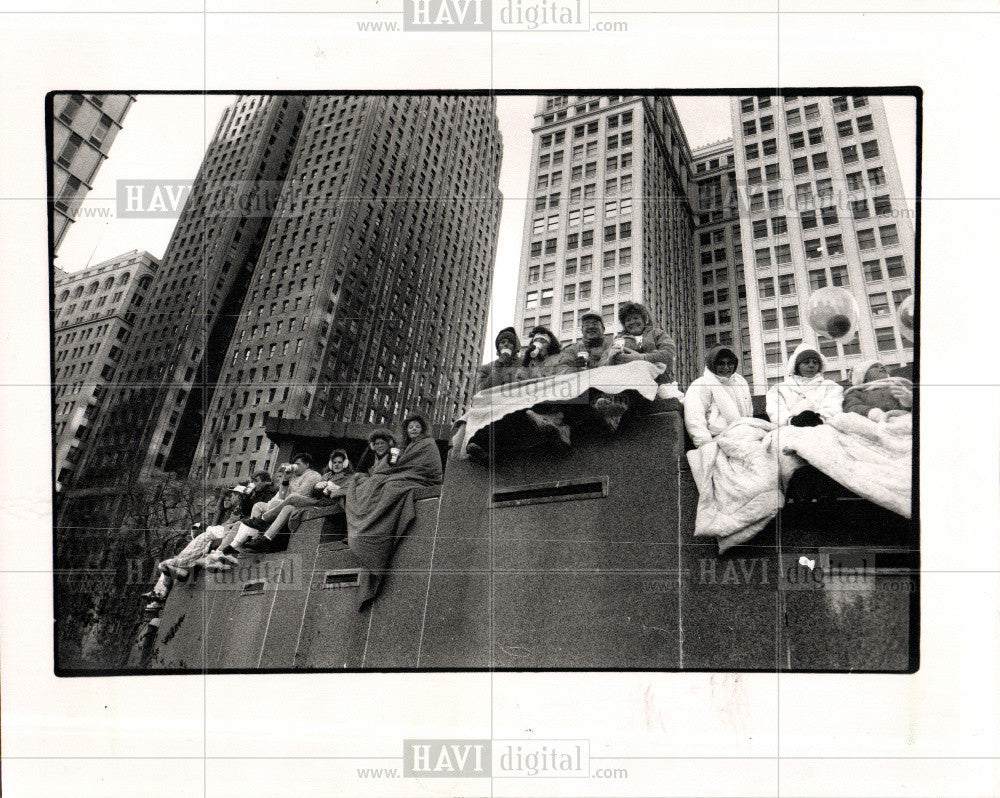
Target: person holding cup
(590,350)
(504,369)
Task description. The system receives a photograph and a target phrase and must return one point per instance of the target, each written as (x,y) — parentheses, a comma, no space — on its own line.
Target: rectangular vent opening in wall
(336,579)
(542,492)
(253,588)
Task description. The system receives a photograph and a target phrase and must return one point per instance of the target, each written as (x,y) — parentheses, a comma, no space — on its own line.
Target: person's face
(414,429)
(542,343)
(300,467)
(592,329)
(808,366)
(877,372)
(231,500)
(633,323)
(508,344)
(725,365)
(337,464)
(380,446)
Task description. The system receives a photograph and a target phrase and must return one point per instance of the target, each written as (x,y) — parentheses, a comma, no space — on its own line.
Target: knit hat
(510,334)
(554,345)
(382,432)
(592,315)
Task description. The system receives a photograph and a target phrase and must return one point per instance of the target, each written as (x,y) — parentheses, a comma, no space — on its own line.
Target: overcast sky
(165,137)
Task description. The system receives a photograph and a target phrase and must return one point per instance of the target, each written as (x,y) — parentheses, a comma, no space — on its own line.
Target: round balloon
(833,313)
(906,321)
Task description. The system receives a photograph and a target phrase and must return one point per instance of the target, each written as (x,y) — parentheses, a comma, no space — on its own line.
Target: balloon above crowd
(833,313)
(906,321)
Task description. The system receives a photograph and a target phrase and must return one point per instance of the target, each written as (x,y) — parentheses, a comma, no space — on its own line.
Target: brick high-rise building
(821,204)
(611,203)
(95,313)
(153,416)
(84,128)
(371,293)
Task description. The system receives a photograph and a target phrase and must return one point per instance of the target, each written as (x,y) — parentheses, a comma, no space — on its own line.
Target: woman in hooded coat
(805,398)
(873,393)
(541,358)
(717,398)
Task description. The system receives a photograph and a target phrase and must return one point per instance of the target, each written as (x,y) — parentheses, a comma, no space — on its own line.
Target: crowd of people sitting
(373,500)
(635,366)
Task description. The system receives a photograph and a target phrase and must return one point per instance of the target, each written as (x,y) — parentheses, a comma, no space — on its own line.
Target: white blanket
(737,475)
(873,459)
(491,405)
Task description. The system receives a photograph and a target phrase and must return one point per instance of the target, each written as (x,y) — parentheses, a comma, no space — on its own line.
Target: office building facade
(371,294)
(84,127)
(94,316)
(610,219)
(153,416)
(821,204)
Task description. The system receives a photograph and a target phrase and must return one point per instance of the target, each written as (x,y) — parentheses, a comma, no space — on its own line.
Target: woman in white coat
(805,398)
(717,398)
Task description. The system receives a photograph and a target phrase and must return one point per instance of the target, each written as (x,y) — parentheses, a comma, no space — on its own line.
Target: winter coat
(712,402)
(498,372)
(863,396)
(653,343)
(568,356)
(796,394)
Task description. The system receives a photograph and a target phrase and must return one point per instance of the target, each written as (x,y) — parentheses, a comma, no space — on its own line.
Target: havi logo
(447,15)
(151,199)
(446,758)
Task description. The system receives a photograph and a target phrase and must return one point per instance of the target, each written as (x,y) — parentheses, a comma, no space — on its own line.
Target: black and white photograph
(498,398)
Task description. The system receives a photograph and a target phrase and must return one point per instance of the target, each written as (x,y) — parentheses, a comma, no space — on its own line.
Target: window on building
(815,135)
(839,105)
(569,292)
(834,245)
(808,220)
(760,228)
(872,270)
(709,319)
(567,320)
(751,152)
(772,352)
(879,304)
(793,117)
(782,254)
(817,279)
(866,239)
(889,235)
(811,112)
(838,276)
(750,127)
(876,176)
(849,154)
(800,165)
(859,209)
(883,205)
(894,266)
(769,319)
(829,215)
(746,104)
(797,140)
(845,128)
(584,291)
(546,297)
(753,176)
(865,123)
(531,300)
(769,146)
(820,161)
(885,339)
(763,258)
(766,124)
(869,149)
(790,315)
(786,284)
(779,225)
(813,248)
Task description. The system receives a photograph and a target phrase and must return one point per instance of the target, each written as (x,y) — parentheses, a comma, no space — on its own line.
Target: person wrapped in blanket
(380,504)
(717,398)
(235,506)
(875,395)
(805,398)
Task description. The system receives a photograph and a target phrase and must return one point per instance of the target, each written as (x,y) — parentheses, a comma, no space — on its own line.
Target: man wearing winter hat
(503,369)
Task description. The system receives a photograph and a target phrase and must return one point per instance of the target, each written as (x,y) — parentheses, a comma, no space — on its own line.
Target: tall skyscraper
(610,218)
(95,313)
(719,253)
(822,204)
(176,350)
(83,130)
(371,293)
